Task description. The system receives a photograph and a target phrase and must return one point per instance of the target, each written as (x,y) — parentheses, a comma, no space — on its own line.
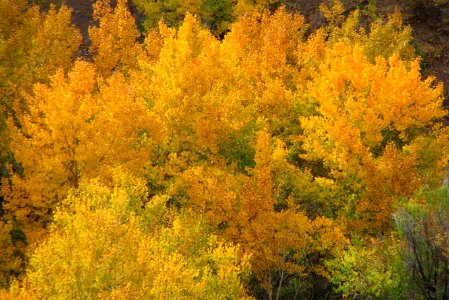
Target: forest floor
(430,28)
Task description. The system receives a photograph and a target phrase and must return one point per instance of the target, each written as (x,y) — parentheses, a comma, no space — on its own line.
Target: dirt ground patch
(431,33)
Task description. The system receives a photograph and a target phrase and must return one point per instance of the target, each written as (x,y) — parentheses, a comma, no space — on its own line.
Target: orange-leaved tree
(33,45)
(78,126)
(192,91)
(376,130)
(115,41)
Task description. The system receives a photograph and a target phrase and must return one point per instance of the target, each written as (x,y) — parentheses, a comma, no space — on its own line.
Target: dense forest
(221,149)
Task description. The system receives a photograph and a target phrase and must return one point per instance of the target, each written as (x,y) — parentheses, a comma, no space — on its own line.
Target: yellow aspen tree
(33,46)
(262,46)
(98,248)
(115,41)
(373,122)
(214,94)
(78,126)
(261,52)
(152,47)
(190,89)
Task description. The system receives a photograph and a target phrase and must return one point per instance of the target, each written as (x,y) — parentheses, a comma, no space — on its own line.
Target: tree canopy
(225,152)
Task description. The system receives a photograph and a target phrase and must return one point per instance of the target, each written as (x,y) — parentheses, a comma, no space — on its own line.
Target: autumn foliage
(180,162)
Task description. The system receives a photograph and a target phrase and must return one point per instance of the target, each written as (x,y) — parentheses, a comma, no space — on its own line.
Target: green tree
(215,15)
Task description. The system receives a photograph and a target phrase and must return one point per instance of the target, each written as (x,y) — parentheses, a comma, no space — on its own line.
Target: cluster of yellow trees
(179,165)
